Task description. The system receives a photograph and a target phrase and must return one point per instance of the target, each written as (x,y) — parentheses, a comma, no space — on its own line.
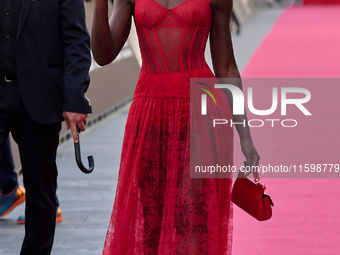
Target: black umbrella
(78,158)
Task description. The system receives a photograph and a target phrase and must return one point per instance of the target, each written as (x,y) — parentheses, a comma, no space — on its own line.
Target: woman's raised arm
(109,36)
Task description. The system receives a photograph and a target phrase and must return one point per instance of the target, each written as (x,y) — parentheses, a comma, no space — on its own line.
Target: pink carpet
(304,43)
(321,1)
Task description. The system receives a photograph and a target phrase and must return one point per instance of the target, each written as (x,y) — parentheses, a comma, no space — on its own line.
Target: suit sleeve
(77,56)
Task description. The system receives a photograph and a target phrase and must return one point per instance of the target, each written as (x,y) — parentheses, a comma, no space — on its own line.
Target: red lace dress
(158,208)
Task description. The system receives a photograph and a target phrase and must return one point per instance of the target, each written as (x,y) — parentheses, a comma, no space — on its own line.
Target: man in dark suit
(44,63)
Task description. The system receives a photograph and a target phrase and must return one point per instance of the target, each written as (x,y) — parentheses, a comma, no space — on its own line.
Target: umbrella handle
(78,158)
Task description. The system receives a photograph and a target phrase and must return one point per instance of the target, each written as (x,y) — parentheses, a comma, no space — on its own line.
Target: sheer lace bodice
(187,25)
(172,44)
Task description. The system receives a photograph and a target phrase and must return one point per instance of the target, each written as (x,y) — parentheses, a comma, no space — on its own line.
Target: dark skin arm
(109,36)
(225,67)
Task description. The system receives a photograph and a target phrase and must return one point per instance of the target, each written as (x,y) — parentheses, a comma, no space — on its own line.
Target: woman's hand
(252,156)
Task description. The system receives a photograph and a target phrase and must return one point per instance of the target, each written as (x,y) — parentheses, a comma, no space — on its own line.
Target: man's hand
(73,120)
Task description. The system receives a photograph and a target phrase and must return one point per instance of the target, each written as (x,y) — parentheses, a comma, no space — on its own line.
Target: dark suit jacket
(53,58)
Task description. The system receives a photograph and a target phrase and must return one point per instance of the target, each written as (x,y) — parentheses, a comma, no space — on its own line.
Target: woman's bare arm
(220,40)
(109,36)
(225,67)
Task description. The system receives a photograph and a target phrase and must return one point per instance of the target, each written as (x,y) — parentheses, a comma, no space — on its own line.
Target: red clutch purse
(250,197)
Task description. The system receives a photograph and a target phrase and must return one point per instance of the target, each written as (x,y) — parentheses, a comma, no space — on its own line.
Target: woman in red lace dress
(158,208)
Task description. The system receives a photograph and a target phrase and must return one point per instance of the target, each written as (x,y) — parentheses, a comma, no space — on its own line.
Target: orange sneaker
(9,201)
(58,218)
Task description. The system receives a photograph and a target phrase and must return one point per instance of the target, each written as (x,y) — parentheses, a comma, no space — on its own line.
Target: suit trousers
(37,145)
(8,177)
